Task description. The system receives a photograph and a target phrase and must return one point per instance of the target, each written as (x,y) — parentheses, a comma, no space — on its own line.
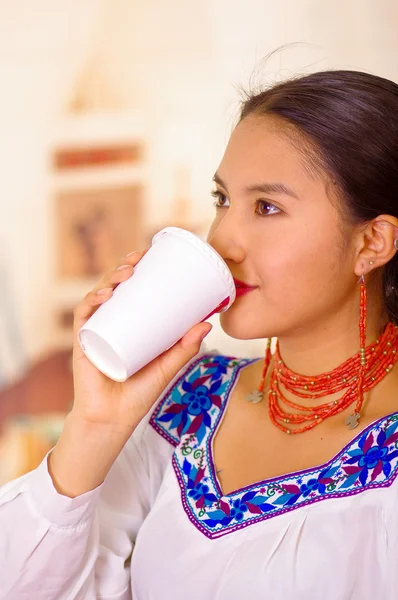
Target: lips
(239,284)
(242,287)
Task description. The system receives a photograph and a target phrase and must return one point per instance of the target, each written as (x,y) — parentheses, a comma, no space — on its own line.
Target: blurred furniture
(25,441)
(98,189)
(47,386)
(32,412)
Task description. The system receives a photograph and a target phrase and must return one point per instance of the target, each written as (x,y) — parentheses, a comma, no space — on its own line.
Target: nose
(224,237)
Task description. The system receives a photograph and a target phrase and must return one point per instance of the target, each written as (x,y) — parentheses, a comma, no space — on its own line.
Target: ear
(376,244)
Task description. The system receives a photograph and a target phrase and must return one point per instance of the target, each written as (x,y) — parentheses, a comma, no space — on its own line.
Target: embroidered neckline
(189,417)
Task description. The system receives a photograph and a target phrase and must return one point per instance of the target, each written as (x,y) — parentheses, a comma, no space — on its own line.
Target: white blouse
(159,527)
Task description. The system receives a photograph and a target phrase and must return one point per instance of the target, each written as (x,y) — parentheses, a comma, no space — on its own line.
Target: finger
(111,279)
(174,359)
(89,304)
(134,257)
(83,311)
(102,292)
(121,272)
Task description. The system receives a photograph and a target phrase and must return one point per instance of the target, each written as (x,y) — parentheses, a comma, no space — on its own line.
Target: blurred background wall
(114,115)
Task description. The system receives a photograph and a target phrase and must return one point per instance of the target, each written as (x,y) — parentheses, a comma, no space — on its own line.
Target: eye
(264,208)
(220,199)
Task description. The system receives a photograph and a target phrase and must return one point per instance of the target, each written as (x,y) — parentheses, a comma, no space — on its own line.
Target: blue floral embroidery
(188,417)
(219,367)
(371,459)
(190,405)
(196,488)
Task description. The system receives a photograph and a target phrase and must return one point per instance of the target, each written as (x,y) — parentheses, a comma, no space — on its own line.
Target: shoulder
(195,400)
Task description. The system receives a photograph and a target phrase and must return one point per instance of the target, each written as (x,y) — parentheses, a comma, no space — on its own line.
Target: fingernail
(124,267)
(104,291)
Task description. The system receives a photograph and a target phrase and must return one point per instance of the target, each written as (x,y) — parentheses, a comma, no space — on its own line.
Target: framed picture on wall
(95,228)
(98,168)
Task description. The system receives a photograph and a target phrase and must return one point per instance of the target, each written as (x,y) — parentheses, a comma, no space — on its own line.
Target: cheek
(306,260)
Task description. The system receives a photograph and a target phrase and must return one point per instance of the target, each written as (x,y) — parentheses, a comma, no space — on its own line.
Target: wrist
(83,455)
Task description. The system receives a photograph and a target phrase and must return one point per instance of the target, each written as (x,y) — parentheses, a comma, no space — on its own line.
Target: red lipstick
(242,287)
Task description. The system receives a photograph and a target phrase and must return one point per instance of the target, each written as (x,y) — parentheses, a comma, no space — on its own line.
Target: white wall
(42,46)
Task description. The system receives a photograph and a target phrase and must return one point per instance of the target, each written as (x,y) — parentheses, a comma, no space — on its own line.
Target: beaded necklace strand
(357,375)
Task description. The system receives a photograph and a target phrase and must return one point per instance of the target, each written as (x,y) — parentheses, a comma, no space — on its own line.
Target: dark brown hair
(350,118)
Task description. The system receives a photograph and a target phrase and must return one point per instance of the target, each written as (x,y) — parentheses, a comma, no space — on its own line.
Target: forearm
(83,456)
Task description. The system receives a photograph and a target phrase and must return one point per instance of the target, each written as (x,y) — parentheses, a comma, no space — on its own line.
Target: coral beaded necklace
(356,376)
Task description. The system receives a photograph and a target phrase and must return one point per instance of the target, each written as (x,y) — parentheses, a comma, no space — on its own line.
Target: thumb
(174,359)
(195,336)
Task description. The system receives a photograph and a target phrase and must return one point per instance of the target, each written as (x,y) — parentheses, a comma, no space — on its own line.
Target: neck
(317,350)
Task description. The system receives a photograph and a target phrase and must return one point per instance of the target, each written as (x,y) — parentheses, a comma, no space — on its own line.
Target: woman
(239,478)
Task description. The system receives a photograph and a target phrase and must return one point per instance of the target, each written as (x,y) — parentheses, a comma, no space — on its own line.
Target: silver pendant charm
(255,396)
(352,420)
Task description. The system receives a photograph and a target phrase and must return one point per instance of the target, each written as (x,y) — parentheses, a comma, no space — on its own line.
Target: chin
(241,328)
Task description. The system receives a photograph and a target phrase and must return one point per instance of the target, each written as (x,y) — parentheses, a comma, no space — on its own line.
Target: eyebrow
(265,188)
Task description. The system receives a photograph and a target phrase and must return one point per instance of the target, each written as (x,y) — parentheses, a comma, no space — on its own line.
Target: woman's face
(288,245)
